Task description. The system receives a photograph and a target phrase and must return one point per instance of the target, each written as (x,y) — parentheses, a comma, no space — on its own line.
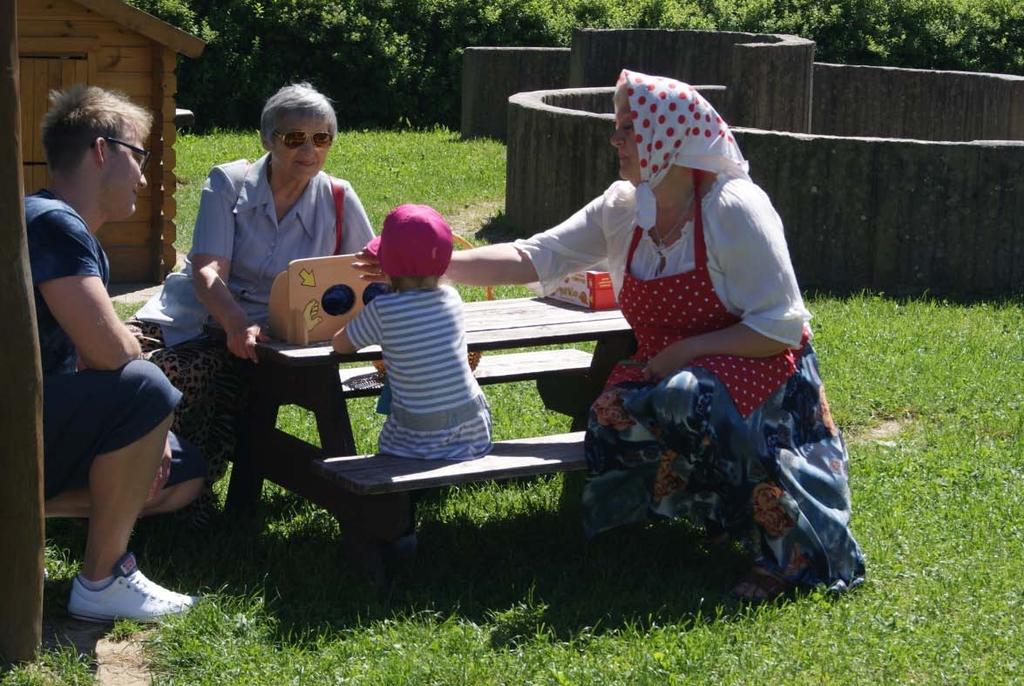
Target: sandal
(760,586)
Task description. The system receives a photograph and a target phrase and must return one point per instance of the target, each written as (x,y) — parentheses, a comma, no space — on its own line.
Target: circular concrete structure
(896,215)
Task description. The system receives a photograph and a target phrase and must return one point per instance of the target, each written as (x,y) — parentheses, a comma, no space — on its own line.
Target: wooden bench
(357,382)
(381,484)
(383,474)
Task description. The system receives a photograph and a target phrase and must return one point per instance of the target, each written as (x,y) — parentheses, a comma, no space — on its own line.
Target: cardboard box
(589,289)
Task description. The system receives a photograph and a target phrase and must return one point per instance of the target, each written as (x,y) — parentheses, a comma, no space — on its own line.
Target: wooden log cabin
(110,44)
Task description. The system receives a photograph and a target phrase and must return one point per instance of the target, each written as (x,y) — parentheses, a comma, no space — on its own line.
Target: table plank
(359,382)
(490,325)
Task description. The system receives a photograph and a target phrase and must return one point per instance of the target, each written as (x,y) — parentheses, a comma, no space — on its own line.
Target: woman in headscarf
(720,415)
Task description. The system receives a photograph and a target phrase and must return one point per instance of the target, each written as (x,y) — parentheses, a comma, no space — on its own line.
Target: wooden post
(21,492)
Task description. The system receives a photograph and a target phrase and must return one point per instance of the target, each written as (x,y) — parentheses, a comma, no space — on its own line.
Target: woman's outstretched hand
(368,266)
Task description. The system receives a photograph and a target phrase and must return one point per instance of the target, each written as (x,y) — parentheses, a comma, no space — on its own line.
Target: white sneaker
(129,596)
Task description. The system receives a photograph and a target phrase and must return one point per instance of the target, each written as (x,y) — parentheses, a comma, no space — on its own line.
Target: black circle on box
(338,299)
(373,290)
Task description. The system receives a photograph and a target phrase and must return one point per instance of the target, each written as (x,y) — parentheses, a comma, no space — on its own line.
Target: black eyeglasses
(141,155)
(296,139)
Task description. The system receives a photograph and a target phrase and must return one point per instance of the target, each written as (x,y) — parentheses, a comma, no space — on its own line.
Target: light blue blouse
(237,221)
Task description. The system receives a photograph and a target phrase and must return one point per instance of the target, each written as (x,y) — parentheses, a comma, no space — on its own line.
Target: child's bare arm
(341,342)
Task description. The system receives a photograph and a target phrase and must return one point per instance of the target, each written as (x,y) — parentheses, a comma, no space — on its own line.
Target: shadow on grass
(512,573)
(541,564)
(499,229)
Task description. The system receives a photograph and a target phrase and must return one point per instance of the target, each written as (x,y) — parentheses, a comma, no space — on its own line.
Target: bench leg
(375,532)
(572,493)
(246,485)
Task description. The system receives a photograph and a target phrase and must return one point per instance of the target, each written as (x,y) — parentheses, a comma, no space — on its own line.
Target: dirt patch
(883,432)
(117,663)
(121,663)
(138,293)
(470,218)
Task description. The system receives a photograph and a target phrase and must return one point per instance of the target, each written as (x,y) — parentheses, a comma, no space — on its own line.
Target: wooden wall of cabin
(62,43)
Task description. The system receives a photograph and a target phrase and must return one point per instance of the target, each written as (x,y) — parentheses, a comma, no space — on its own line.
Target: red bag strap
(338,191)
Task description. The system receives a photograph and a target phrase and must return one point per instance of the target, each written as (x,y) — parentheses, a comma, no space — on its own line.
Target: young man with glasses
(108,454)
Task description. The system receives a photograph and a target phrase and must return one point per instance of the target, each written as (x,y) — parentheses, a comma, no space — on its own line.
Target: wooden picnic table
(308,376)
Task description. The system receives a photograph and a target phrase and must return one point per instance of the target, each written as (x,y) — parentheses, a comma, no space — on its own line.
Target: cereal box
(589,289)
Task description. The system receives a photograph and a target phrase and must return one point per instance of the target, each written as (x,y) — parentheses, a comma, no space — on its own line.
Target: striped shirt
(422,335)
(438,411)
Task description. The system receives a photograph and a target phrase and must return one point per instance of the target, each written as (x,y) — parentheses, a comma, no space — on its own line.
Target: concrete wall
(916,103)
(557,159)
(768,76)
(901,216)
(491,75)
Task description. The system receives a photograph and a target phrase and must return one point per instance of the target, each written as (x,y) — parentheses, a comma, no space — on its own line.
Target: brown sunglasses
(296,139)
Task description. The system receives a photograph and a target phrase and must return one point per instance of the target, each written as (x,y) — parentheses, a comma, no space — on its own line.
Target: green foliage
(61,666)
(399,62)
(176,12)
(972,35)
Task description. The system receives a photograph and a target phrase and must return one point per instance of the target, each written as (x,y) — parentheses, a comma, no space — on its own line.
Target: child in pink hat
(437,408)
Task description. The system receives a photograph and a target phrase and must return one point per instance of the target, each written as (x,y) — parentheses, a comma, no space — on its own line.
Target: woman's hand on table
(668,361)
(242,341)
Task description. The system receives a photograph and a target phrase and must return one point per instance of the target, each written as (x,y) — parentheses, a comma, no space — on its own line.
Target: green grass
(506,591)
(386,169)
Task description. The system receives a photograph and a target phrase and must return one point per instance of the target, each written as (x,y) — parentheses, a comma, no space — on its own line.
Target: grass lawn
(506,591)
(385,168)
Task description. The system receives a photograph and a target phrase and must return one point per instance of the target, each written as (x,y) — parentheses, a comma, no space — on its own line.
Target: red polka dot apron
(668,309)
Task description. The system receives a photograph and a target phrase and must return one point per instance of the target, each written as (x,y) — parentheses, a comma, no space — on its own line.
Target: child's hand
(341,343)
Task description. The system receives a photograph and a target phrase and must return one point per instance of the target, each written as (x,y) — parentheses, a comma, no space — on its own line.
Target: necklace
(662,242)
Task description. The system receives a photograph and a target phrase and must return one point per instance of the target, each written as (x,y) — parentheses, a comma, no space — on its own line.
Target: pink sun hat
(415,241)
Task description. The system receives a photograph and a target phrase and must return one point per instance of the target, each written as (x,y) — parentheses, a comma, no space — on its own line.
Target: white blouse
(747,254)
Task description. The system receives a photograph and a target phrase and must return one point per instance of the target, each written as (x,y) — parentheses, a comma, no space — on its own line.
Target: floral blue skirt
(778,477)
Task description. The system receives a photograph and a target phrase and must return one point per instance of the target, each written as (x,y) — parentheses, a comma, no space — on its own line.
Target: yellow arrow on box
(307,278)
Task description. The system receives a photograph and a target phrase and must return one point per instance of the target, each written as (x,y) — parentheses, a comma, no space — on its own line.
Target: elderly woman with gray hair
(254,218)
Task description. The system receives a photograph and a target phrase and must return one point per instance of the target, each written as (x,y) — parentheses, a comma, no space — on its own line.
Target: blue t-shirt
(59,245)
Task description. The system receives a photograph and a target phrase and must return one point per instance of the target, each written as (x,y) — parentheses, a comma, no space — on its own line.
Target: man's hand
(162,472)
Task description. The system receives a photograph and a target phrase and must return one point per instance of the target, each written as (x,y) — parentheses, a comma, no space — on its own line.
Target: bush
(399,62)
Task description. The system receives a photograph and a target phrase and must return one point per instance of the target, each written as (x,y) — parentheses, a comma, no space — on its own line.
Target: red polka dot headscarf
(675,125)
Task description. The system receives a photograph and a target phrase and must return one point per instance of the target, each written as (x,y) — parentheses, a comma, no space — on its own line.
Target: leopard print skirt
(214,385)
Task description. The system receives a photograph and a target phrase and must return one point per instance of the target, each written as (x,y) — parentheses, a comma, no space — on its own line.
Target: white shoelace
(141,584)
